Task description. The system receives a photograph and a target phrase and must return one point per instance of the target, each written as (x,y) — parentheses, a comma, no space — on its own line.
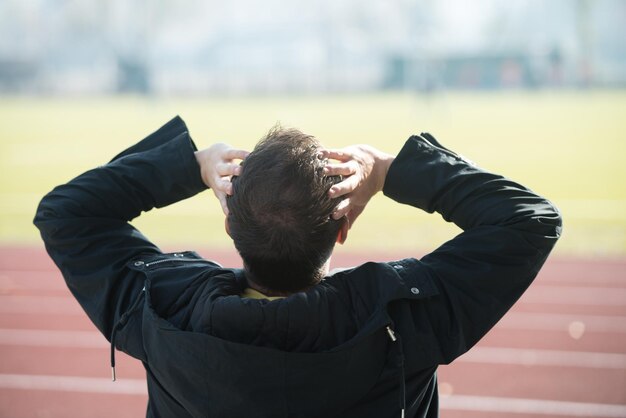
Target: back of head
(280,213)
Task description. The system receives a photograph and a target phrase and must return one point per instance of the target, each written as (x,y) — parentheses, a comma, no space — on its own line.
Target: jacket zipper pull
(113,335)
(392,334)
(113,377)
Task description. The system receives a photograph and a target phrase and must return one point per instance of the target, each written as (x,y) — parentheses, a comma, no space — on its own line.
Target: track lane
(574,307)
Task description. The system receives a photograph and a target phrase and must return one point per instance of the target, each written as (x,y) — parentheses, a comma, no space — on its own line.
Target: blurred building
(251,47)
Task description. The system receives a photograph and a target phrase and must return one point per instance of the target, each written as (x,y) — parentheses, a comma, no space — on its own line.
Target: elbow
(548,226)
(41,213)
(556,220)
(542,226)
(46,213)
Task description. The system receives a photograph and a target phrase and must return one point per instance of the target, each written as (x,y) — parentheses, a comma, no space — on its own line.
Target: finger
(344,187)
(226,169)
(224,205)
(222,185)
(343,169)
(335,154)
(342,209)
(221,197)
(235,154)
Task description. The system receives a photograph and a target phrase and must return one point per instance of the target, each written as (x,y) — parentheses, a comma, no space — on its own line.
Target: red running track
(560,352)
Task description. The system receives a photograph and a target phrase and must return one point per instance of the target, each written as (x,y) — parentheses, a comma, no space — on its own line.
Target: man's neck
(265,291)
(270,292)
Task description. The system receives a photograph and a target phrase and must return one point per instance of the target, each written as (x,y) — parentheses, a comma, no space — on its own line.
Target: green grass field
(568,146)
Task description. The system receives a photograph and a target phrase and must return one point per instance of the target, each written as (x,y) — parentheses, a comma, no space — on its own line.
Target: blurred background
(199,48)
(530,89)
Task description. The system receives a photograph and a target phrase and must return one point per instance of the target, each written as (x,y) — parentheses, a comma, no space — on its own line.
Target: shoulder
(175,278)
(374,285)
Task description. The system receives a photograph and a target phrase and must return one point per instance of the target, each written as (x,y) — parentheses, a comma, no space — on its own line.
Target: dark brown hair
(280,212)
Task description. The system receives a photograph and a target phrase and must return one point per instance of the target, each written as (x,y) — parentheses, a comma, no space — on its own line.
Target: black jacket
(363,343)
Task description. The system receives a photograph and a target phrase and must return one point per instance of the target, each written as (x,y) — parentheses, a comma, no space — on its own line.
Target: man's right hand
(364,169)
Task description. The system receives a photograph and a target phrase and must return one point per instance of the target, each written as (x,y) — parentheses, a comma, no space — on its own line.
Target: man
(281,337)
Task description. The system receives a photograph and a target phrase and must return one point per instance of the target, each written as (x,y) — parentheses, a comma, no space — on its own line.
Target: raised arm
(85,223)
(508,233)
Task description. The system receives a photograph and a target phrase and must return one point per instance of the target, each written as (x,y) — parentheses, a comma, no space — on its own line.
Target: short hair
(280,211)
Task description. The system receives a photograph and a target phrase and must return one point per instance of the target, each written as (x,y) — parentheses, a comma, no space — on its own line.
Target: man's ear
(226,227)
(342,234)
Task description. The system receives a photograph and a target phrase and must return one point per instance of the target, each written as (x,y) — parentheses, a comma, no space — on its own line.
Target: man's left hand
(217,166)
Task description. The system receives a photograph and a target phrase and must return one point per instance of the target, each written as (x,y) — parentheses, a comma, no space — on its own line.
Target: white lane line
(604,273)
(37,280)
(52,338)
(534,357)
(532,406)
(65,305)
(73,384)
(565,295)
(569,275)
(484,355)
(556,322)
(53,279)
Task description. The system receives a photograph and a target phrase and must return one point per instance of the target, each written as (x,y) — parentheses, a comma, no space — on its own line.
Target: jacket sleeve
(508,232)
(85,223)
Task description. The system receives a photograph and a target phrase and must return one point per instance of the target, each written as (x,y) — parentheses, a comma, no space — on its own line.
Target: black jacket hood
(310,354)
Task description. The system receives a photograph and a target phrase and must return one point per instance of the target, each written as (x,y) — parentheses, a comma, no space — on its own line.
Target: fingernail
(332,191)
(326,170)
